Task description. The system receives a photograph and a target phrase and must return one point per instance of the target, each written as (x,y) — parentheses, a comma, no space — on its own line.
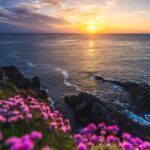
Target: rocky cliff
(14,81)
(89,108)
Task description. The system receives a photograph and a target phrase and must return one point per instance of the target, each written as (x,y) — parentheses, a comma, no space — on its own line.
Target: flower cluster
(93,135)
(25,142)
(1,135)
(18,108)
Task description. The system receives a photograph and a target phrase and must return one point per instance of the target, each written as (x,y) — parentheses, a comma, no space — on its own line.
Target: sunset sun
(91,29)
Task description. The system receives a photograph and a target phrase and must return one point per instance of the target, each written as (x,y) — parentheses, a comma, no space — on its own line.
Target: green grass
(105,147)
(52,138)
(8,89)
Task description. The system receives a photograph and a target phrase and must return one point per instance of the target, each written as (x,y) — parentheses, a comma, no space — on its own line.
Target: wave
(136,118)
(52,103)
(115,88)
(30,64)
(66,76)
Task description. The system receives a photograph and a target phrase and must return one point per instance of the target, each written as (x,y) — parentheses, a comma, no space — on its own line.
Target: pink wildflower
(17,146)
(112,139)
(78,138)
(28,116)
(12,140)
(13,119)
(26,137)
(2,119)
(126,146)
(126,136)
(46,148)
(90,144)
(101,125)
(101,139)
(92,127)
(35,135)
(136,141)
(2,110)
(1,135)
(64,129)
(94,139)
(67,121)
(25,109)
(53,125)
(145,146)
(103,132)
(113,129)
(44,116)
(27,145)
(81,146)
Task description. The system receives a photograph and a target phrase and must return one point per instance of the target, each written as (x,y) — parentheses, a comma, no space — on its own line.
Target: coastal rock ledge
(88,108)
(10,75)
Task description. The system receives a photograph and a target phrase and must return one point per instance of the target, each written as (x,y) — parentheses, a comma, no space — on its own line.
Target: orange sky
(88,16)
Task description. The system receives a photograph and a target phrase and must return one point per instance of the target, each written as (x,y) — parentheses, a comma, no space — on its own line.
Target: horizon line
(69,33)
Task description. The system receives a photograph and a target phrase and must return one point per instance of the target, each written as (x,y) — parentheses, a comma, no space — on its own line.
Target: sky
(75,16)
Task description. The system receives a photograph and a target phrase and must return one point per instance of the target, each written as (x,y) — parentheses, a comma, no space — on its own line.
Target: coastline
(78,104)
(25,120)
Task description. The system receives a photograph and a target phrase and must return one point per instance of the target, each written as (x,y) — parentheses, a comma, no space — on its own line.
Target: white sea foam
(47,90)
(30,64)
(92,78)
(136,118)
(118,88)
(66,76)
(147,117)
(51,102)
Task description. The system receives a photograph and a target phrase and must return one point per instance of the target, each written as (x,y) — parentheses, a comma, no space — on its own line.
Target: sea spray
(52,103)
(30,64)
(66,76)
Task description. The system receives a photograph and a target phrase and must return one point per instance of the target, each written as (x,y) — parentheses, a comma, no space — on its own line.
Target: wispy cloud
(73,15)
(28,17)
(54,2)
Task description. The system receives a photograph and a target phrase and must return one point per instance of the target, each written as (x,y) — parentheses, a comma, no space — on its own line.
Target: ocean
(66,63)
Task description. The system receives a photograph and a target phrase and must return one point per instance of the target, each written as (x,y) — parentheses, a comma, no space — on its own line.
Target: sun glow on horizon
(91,28)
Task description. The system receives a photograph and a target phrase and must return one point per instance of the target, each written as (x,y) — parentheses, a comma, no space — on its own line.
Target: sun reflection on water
(90,55)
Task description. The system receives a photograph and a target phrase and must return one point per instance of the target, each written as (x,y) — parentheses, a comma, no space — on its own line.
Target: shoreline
(28,84)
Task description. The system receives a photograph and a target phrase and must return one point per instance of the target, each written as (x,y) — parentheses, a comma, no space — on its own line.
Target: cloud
(110,3)
(27,17)
(54,2)
(72,15)
(138,13)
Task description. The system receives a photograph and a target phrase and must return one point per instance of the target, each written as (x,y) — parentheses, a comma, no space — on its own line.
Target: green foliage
(52,138)
(105,147)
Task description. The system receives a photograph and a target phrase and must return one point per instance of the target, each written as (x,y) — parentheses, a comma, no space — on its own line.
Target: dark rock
(15,77)
(44,94)
(99,78)
(139,94)
(36,82)
(88,108)
(81,104)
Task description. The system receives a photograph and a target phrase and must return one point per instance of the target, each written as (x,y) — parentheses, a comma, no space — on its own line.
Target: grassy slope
(54,139)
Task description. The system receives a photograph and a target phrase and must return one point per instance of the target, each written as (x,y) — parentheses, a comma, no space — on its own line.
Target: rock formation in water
(139,94)
(89,108)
